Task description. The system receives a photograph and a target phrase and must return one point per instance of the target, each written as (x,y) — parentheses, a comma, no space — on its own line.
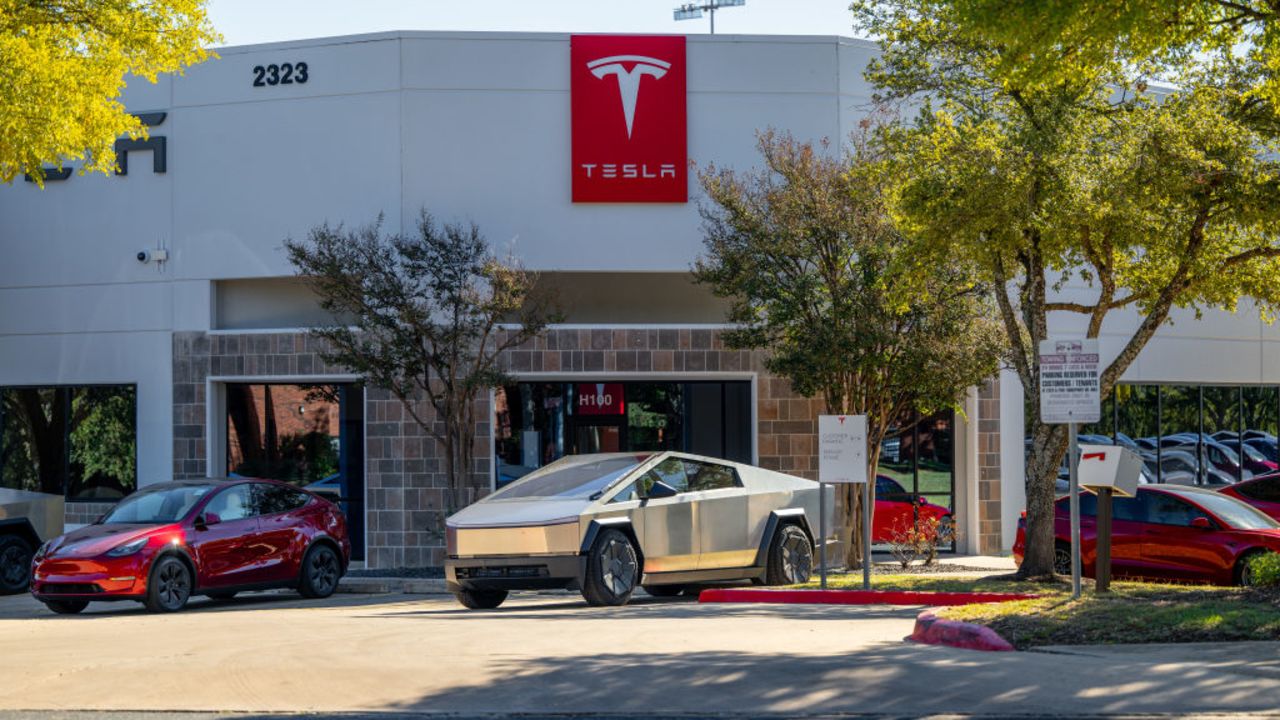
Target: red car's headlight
(128,548)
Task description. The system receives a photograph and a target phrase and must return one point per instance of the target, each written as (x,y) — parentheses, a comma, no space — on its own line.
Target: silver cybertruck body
(606,523)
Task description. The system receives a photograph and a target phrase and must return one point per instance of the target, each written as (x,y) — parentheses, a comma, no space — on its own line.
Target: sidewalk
(973,564)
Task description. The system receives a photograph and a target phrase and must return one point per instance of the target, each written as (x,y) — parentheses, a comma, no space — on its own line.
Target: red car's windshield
(161,505)
(1234,512)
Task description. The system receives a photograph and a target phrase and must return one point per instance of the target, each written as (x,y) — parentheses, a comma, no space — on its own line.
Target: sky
(243,22)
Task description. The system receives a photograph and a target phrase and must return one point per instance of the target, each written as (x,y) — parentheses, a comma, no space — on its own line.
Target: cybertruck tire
(613,570)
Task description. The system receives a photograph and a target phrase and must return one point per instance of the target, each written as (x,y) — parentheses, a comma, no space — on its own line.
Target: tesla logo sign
(628,107)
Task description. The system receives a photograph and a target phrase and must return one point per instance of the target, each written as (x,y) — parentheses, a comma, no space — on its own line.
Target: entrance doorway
(311,436)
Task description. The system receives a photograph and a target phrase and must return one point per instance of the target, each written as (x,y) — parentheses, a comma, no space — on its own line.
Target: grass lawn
(1131,613)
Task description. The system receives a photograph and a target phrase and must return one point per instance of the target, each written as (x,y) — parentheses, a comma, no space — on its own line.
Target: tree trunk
(1048,444)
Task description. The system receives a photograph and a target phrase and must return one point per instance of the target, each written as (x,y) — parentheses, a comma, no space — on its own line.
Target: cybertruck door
(723,514)
(670,542)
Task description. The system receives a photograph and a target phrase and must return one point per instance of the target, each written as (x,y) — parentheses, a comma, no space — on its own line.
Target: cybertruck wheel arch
(623,524)
(777,519)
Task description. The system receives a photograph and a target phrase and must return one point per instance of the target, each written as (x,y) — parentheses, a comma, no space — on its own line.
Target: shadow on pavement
(25,607)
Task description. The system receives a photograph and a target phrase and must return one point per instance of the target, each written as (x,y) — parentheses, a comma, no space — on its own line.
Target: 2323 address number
(282,74)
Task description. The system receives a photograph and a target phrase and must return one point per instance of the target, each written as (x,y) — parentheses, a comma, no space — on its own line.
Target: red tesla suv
(167,542)
(1167,532)
(1262,492)
(897,510)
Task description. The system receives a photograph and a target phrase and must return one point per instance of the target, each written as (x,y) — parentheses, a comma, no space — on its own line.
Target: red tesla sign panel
(629,131)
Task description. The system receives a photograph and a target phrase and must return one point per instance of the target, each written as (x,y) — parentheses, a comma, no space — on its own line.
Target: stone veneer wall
(83,513)
(989,540)
(405,483)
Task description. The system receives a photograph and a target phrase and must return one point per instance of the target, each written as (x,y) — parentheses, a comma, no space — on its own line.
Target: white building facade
(203,340)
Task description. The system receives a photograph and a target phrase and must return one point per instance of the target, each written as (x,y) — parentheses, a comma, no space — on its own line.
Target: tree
(819,276)
(1055,41)
(62,68)
(420,315)
(1077,199)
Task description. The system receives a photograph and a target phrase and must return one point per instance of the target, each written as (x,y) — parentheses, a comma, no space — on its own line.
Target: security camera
(144,256)
(159,255)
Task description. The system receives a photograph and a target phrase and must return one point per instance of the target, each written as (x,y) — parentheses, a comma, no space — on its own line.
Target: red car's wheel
(170,585)
(320,572)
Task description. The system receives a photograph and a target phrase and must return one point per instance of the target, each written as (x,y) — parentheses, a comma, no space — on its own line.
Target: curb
(932,630)
(854,597)
(381,586)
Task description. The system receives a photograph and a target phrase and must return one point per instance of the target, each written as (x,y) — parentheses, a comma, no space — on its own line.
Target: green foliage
(63,65)
(1265,568)
(104,439)
(1052,41)
(1079,197)
(421,315)
(847,305)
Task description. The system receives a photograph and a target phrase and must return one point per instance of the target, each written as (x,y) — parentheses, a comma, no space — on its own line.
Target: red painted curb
(854,597)
(932,630)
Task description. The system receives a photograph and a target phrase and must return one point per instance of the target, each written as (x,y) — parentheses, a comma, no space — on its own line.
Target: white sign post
(1069,394)
(842,459)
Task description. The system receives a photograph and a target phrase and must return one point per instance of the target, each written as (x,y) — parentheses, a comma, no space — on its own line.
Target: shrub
(1265,569)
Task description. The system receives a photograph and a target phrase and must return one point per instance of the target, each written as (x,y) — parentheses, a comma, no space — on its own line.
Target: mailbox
(1110,466)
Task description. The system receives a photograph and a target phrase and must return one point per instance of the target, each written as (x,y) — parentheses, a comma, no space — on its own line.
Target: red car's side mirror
(1201,522)
(208,519)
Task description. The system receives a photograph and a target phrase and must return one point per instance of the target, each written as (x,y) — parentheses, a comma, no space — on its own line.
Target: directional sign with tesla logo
(842,448)
(629,124)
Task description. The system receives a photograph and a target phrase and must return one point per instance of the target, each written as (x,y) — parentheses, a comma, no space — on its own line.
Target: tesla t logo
(629,80)
(628,109)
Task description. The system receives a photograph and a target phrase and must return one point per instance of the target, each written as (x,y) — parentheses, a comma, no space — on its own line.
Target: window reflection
(77,441)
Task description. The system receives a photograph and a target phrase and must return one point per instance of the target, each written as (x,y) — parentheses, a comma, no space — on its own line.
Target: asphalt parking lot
(550,653)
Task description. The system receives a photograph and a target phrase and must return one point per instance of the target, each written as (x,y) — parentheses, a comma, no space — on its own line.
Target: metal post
(822,535)
(1073,462)
(866,535)
(713,18)
(1102,557)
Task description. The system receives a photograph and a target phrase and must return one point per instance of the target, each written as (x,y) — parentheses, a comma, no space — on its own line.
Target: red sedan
(896,510)
(170,541)
(1262,492)
(1168,532)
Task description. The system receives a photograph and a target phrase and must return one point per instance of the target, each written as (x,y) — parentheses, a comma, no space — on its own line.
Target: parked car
(1254,460)
(1262,492)
(167,542)
(1265,445)
(606,523)
(27,519)
(897,509)
(1167,533)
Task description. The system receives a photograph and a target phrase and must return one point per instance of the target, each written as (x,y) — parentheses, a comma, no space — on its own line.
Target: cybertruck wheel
(169,587)
(481,599)
(790,557)
(66,607)
(612,570)
(664,590)
(320,572)
(15,564)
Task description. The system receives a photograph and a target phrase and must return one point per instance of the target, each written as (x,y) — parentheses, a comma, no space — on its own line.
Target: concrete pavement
(549,653)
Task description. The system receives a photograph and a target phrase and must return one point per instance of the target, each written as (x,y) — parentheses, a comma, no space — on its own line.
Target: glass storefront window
(918,456)
(311,436)
(76,441)
(539,422)
(1209,435)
